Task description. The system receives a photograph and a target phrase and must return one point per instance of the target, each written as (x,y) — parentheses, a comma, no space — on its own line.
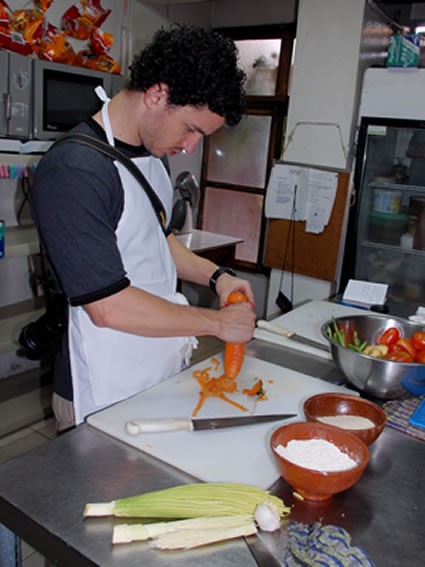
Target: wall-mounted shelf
(21,241)
(10,145)
(14,317)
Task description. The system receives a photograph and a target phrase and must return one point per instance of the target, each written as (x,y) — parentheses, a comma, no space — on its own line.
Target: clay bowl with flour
(362,418)
(308,470)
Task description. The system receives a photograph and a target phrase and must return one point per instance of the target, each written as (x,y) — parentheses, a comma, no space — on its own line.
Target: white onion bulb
(267,517)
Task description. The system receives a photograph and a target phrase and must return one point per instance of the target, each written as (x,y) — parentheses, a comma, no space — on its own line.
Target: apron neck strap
(105,115)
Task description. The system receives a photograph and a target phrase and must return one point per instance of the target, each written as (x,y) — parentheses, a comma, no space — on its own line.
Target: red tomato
(418,340)
(400,356)
(390,336)
(406,344)
(394,348)
(420,357)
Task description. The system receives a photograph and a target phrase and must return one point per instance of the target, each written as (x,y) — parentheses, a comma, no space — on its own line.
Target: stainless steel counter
(43,494)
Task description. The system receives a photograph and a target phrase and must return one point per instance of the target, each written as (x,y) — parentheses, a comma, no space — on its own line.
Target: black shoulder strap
(115,154)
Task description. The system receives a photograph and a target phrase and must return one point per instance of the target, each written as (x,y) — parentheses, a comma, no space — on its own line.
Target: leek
(190,501)
(187,539)
(127,533)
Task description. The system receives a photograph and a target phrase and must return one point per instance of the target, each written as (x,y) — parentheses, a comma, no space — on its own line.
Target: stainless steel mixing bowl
(383,379)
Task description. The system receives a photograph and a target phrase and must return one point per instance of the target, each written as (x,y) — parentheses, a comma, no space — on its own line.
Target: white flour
(316,454)
(347,421)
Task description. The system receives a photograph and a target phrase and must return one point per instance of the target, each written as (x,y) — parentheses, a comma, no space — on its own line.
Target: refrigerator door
(389,227)
(4,92)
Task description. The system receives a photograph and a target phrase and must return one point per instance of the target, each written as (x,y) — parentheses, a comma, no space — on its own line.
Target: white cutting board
(307,320)
(237,454)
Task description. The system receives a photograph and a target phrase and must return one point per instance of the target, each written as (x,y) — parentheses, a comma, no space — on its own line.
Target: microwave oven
(41,100)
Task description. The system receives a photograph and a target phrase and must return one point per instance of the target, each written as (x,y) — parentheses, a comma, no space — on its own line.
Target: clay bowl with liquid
(318,485)
(333,405)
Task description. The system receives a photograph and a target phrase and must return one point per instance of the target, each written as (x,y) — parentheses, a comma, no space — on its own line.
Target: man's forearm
(137,312)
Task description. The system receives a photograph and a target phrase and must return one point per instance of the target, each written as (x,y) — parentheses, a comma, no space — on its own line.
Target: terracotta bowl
(313,484)
(344,404)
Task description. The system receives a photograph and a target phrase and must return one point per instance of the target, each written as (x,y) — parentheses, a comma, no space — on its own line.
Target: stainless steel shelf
(391,247)
(14,317)
(21,241)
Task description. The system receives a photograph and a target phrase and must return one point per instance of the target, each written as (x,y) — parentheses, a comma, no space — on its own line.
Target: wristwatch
(217,274)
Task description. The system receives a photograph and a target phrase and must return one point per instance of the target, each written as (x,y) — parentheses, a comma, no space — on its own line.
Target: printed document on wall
(301,193)
(320,199)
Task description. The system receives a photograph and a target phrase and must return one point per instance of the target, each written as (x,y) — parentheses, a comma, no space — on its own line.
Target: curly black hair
(199,67)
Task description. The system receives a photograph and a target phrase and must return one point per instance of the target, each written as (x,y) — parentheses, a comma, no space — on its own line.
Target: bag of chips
(43,5)
(5,14)
(14,41)
(80,19)
(87,58)
(55,47)
(101,42)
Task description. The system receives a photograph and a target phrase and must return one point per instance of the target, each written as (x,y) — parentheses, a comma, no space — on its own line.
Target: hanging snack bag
(87,58)
(5,14)
(11,36)
(42,5)
(55,47)
(29,23)
(80,19)
(101,42)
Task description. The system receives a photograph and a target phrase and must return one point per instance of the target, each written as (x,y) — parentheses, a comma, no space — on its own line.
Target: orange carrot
(255,390)
(234,352)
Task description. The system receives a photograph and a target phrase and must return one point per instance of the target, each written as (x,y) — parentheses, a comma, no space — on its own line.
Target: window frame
(275,106)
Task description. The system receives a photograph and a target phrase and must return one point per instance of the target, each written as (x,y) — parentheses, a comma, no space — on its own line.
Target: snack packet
(56,48)
(80,19)
(101,42)
(14,41)
(5,14)
(43,5)
(87,58)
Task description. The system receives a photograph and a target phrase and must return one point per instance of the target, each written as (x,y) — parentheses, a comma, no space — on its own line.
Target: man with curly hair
(128,327)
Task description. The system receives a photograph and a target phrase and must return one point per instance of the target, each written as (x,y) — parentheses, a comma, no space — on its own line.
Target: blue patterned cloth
(315,545)
(10,549)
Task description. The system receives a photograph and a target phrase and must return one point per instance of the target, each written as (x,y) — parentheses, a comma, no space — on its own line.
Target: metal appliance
(42,99)
(186,199)
(386,232)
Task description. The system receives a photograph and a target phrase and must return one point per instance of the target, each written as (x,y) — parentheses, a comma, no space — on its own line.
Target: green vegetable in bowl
(339,336)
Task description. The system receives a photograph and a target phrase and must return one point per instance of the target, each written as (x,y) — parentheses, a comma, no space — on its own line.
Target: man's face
(172,129)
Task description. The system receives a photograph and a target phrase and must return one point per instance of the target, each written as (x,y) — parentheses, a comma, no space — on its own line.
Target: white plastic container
(386,201)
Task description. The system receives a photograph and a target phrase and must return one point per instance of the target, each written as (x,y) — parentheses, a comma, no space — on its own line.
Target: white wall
(336,41)
(325,74)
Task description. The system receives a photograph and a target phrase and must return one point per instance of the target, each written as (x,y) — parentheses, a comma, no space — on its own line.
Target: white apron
(108,365)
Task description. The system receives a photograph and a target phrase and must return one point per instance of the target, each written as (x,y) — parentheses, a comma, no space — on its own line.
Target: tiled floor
(42,431)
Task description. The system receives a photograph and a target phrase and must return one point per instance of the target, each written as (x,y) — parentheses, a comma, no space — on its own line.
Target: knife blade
(156,425)
(261,324)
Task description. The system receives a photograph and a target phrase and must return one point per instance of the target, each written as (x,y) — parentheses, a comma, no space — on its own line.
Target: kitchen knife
(261,324)
(156,425)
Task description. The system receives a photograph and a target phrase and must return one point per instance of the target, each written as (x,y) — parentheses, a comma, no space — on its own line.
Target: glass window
(239,155)
(259,58)
(235,213)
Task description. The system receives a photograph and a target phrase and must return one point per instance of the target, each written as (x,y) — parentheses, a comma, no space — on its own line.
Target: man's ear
(156,95)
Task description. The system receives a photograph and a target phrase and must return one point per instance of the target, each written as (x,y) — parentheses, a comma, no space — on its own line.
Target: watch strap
(217,274)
